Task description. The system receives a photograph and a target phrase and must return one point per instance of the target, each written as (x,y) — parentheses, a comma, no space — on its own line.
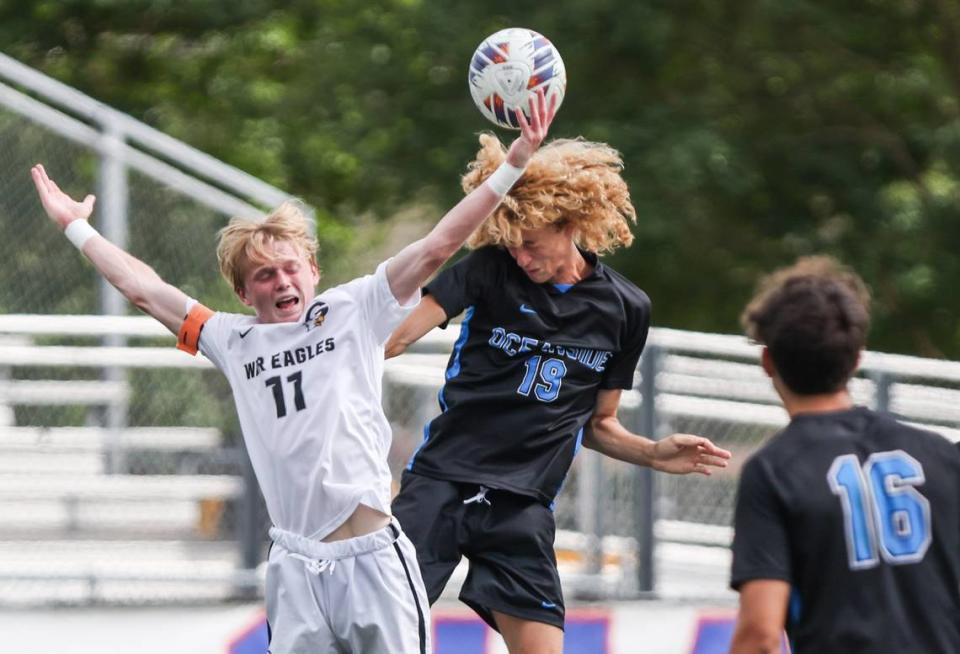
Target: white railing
(117,134)
(708,381)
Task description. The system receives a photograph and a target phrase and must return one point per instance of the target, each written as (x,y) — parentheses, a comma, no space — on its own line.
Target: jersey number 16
(882,509)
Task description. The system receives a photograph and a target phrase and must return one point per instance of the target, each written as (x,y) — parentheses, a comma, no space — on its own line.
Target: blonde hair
(244,242)
(568,181)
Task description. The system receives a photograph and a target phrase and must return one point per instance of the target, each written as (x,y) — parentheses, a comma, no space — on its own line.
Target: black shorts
(508,542)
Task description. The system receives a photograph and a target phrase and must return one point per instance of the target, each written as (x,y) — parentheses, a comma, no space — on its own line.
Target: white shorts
(355,596)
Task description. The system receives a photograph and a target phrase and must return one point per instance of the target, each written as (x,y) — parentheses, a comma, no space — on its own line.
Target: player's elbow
(753,637)
(136,294)
(143,295)
(394,347)
(438,246)
(596,432)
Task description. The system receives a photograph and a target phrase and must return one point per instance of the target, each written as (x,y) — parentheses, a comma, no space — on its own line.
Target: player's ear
(242,294)
(766,361)
(314,272)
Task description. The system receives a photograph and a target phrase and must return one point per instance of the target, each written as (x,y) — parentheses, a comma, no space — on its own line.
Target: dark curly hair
(813,317)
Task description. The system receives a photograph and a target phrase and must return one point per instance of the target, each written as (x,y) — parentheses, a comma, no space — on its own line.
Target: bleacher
(108,513)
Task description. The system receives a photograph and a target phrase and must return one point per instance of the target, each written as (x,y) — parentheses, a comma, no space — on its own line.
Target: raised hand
(686,453)
(61,208)
(532,132)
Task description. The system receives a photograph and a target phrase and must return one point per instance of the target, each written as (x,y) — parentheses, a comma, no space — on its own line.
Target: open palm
(685,453)
(532,132)
(61,208)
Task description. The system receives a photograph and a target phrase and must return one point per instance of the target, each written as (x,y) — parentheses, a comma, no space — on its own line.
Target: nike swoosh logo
(242,334)
(525,309)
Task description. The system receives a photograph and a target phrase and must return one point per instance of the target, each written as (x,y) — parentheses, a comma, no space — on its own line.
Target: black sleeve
(620,370)
(761,545)
(462,284)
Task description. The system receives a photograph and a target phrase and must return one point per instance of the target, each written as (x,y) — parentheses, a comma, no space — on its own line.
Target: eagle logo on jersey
(315,315)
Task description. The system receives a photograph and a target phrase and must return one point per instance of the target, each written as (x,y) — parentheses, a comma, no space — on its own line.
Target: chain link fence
(122,475)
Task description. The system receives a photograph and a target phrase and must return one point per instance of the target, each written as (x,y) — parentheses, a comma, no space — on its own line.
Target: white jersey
(308,394)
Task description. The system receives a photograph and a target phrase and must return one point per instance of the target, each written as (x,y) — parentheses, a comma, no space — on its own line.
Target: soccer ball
(508,68)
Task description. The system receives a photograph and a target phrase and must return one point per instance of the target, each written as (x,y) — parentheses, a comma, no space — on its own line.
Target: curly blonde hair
(568,181)
(244,242)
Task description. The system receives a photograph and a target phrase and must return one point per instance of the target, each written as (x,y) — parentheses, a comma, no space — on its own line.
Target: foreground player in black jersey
(847,526)
(549,338)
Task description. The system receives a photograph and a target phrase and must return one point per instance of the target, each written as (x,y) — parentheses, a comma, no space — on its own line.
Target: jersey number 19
(544,377)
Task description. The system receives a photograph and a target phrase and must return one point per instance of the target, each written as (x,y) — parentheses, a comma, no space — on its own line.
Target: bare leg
(529,637)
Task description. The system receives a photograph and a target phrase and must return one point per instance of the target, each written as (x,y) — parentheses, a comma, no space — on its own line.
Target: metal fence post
(248,524)
(590,507)
(881,394)
(113,202)
(645,510)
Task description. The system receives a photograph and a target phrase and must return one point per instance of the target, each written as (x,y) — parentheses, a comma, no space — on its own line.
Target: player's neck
(573,270)
(825,403)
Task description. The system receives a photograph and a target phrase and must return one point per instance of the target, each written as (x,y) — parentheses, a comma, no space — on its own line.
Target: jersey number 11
(276,385)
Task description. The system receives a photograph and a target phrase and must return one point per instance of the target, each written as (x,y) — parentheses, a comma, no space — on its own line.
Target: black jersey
(523,377)
(861,515)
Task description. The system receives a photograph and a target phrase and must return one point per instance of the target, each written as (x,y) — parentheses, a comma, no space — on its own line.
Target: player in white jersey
(306,376)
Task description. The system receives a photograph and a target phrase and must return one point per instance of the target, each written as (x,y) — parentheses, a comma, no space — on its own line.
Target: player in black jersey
(847,525)
(549,338)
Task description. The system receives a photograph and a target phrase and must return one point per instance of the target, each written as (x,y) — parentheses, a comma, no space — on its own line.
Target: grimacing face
(543,253)
(279,288)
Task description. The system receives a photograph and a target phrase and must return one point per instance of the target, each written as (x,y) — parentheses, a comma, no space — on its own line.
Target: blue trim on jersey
(576,448)
(563,288)
(579,444)
(794,612)
(452,371)
(426,435)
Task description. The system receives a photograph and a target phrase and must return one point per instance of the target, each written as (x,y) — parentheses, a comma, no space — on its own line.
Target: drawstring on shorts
(320,557)
(316,566)
(480,497)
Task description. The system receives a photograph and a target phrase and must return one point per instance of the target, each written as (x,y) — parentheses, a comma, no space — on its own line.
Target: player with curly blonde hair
(549,339)
(568,182)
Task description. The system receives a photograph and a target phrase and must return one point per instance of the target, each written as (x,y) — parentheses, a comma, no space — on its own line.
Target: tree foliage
(753,131)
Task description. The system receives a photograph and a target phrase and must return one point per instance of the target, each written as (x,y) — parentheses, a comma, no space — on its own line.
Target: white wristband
(79,232)
(503,178)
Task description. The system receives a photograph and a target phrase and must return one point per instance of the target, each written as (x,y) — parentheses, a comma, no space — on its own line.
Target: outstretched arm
(137,281)
(414,264)
(679,453)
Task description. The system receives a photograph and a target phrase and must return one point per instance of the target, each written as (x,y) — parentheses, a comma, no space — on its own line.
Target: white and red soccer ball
(507,69)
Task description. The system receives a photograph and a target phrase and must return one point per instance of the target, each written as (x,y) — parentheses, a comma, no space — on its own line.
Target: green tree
(753,132)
